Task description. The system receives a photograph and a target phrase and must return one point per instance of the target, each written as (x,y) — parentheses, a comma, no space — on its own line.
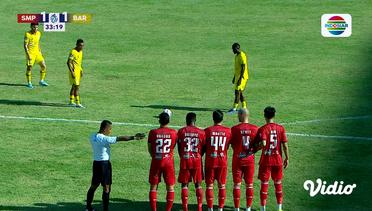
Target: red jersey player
(272,139)
(190,143)
(217,143)
(161,143)
(242,137)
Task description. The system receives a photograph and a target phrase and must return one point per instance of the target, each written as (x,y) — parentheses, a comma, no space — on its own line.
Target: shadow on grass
(352,159)
(30,103)
(116,204)
(11,84)
(358,161)
(183,108)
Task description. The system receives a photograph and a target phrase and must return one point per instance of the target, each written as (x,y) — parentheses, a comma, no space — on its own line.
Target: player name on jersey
(218,133)
(163,136)
(192,134)
(245,132)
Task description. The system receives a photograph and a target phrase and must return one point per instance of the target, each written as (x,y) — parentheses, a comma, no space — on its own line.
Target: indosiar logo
(336,25)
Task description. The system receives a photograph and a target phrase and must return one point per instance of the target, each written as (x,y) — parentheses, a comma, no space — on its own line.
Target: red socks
(249,194)
(221,197)
(278,192)
(209,197)
(184,197)
(170,199)
(263,192)
(236,194)
(152,197)
(199,198)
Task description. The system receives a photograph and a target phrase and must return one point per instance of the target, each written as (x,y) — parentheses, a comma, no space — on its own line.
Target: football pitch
(143,56)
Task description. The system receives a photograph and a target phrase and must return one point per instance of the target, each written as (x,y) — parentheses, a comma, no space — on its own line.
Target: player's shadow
(11,84)
(30,103)
(125,204)
(183,108)
(116,204)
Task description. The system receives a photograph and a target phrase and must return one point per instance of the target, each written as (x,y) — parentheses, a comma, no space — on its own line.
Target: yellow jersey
(32,42)
(77,59)
(241,59)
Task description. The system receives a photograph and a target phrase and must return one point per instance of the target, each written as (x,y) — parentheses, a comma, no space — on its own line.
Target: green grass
(142,56)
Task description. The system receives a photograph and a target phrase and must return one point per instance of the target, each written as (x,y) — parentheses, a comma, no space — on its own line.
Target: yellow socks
(42,74)
(236,105)
(29,77)
(77,98)
(72,99)
(244,104)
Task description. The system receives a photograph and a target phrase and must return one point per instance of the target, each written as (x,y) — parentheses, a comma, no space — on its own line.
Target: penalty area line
(329,119)
(47,119)
(331,137)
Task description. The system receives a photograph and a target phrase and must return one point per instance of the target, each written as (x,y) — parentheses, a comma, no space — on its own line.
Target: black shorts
(102,173)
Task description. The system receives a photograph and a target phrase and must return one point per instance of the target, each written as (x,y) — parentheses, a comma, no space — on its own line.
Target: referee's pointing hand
(139,136)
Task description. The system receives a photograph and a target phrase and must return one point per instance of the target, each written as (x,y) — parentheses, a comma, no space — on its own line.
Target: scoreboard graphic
(54,22)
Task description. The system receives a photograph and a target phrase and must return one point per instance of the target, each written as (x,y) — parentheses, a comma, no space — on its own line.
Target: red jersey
(242,138)
(217,144)
(274,134)
(163,141)
(190,143)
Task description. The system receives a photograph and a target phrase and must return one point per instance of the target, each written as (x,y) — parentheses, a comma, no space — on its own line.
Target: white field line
(153,125)
(76,121)
(327,120)
(331,137)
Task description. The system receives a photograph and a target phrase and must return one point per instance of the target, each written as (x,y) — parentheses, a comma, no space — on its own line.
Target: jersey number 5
(273,139)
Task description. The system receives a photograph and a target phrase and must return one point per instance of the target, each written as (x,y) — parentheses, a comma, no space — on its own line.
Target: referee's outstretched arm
(102,172)
(138,136)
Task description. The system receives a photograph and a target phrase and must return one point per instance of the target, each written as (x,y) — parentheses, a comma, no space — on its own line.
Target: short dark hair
(190,118)
(104,124)
(269,112)
(163,118)
(34,24)
(235,45)
(217,116)
(79,41)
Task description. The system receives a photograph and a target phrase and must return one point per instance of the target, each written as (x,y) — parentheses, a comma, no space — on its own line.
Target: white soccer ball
(168,111)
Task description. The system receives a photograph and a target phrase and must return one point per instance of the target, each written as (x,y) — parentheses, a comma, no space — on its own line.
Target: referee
(102,173)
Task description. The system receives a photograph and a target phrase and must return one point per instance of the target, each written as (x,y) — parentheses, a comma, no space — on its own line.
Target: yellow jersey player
(74,64)
(33,55)
(240,77)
